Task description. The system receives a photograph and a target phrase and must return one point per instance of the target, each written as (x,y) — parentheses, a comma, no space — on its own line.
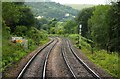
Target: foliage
(20,30)
(60,28)
(103,27)
(52,26)
(70,27)
(17,14)
(106,27)
(18,20)
(83,41)
(10,14)
(36,35)
(41,23)
(82,18)
(99,26)
(52,10)
(26,18)
(109,62)
(114,30)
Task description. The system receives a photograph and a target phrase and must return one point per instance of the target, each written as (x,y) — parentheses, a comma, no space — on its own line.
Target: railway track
(36,66)
(77,67)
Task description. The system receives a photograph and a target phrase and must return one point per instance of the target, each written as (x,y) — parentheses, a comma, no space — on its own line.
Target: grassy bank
(14,52)
(108,61)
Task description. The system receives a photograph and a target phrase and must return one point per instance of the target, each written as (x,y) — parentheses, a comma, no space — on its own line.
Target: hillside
(79,6)
(51,10)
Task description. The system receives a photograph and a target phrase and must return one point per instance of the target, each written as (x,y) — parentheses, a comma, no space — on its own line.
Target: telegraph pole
(79,35)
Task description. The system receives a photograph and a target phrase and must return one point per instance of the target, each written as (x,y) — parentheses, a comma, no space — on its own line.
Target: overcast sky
(68,1)
(81,1)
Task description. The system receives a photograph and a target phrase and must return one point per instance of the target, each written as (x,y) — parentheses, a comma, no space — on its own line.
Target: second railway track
(77,67)
(36,66)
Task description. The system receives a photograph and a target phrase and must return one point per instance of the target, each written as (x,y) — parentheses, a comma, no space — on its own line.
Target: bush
(20,30)
(13,52)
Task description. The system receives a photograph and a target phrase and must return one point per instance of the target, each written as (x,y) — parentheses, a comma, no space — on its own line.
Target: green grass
(14,52)
(108,62)
(103,59)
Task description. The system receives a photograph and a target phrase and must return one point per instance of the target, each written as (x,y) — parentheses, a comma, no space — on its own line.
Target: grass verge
(108,61)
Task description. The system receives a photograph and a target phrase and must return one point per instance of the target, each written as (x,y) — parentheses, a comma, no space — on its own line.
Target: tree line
(101,25)
(19,20)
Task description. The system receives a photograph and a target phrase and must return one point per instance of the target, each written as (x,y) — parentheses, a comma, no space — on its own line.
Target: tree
(82,18)
(20,30)
(52,26)
(42,23)
(114,29)
(45,27)
(99,27)
(60,28)
(17,14)
(70,27)
(27,18)
(10,14)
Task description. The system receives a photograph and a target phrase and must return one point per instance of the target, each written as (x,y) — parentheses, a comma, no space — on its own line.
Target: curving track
(77,67)
(36,66)
(73,66)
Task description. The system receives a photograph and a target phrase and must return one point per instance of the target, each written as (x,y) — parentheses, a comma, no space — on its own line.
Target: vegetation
(19,21)
(82,19)
(109,62)
(100,37)
(68,25)
(99,26)
(100,30)
(52,10)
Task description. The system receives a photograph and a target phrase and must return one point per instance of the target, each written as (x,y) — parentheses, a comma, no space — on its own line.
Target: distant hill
(52,10)
(79,6)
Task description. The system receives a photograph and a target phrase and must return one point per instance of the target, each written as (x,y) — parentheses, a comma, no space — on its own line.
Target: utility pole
(79,35)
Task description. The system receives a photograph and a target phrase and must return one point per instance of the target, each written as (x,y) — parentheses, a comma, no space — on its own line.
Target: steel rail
(95,75)
(66,61)
(46,60)
(31,59)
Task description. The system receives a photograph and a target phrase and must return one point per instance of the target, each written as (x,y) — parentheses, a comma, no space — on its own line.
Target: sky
(81,1)
(69,1)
